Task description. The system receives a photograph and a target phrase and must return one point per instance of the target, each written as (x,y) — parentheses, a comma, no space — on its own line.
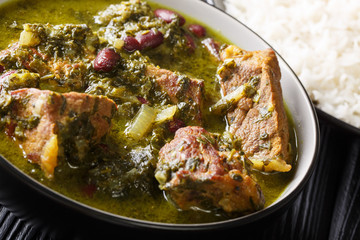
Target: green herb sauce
(152,207)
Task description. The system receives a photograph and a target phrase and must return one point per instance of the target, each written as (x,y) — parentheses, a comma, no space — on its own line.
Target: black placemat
(12,227)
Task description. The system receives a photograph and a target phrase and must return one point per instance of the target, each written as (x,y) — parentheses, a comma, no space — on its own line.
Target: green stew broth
(142,199)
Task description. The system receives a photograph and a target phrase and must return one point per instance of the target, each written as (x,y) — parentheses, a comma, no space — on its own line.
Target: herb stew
(131,82)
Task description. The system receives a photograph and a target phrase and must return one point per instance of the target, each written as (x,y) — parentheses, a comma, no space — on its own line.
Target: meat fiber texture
(195,174)
(259,122)
(80,116)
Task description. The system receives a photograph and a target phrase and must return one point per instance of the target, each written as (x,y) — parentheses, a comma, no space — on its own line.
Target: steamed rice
(320,40)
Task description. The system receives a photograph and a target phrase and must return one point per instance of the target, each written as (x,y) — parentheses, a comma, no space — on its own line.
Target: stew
(142,111)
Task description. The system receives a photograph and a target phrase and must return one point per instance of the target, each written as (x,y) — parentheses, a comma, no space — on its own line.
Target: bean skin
(190,42)
(197,30)
(142,100)
(131,44)
(175,124)
(89,190)
(151,39)
(168,15)
(1,68)
(106,60)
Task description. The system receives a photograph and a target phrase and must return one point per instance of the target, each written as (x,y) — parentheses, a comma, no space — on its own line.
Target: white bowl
(295,96)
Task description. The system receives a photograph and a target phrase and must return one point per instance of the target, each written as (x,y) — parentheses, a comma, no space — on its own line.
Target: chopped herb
(236,176)
(265,145)
(192,164)
(264,136)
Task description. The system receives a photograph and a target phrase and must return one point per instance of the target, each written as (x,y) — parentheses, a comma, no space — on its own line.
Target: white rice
(320,40)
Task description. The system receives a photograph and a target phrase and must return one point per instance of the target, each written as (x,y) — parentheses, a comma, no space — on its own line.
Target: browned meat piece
(195,174)
(47,124)
(180,88)
(212,46)
(60,54)
(258,120)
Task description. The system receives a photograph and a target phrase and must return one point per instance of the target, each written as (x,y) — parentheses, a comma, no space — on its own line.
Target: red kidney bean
(2,68)
(197,30)
(190,42)
(89,190)
(106,60)
(131,44)
(10,130)
(168,15)
(175,124)
(151,39)
(142,100)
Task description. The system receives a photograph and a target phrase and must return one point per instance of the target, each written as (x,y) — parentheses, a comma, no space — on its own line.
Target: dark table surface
(327,208)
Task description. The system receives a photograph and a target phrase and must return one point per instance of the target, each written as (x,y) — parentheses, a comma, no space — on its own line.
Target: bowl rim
(132,222)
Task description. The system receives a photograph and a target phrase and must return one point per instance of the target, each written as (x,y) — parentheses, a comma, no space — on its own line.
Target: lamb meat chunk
(213,47)
(49,125)
(61,54)
(185,92)
(194,174)
(259,119)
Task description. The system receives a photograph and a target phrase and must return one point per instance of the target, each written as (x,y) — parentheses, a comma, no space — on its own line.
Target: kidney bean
(197,30)
(151,39)
(142,100)
(190,42)
(168,16)
(2,68)
(10,130)
(175,124)
(131,44)
(89,190)
(106,60)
